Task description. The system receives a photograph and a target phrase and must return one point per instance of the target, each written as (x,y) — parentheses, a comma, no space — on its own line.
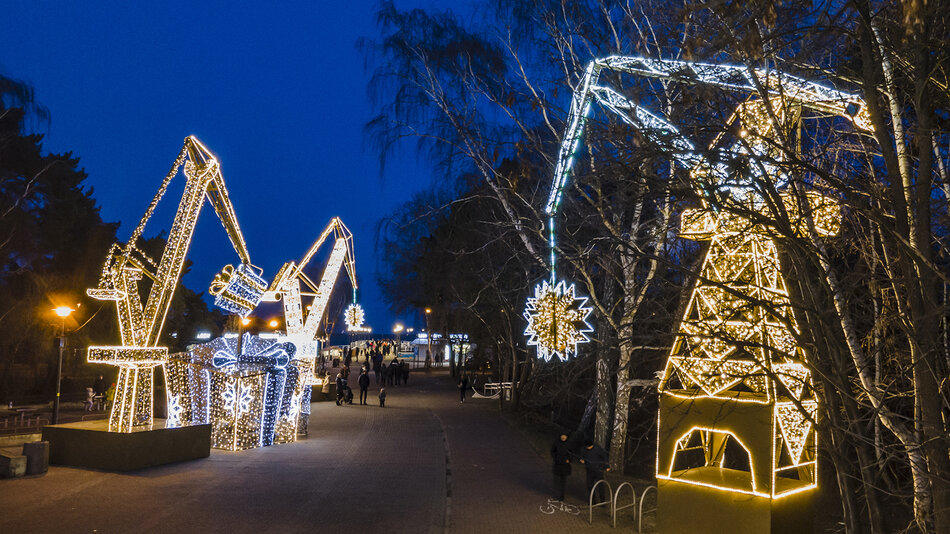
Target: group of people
(393,374)
(344,394)
(592,456)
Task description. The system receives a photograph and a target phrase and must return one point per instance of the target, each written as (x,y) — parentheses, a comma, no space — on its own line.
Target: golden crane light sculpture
(140,325)
(736,407)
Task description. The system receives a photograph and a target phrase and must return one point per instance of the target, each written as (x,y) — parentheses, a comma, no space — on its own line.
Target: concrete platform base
(90,444)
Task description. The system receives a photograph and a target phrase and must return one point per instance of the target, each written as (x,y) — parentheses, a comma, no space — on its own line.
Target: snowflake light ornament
(557,320)
(173,420)
(354,316)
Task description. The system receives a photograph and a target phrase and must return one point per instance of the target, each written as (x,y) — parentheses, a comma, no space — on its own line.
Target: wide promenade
(424,463)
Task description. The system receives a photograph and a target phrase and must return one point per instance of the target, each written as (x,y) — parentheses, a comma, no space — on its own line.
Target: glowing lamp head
(245,321)
(63,311)
(397,329)
(428,311)
(273,323)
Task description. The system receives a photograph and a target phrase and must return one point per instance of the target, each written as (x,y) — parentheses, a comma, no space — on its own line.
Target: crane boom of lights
(140,326)
(286,285)
(736,78)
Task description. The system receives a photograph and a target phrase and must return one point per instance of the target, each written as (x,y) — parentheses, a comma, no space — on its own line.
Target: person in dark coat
(363,381)
(340,389)
(394,372)
(594,458)
(463,386)
(404,368)
(382,397)
(377,368)
(560,465)
(99,386)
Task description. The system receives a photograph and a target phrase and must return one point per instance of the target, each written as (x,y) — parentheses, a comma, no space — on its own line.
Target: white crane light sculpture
(303,331)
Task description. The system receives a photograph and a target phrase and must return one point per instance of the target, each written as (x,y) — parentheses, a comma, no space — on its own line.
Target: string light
(140,325)
(557,320)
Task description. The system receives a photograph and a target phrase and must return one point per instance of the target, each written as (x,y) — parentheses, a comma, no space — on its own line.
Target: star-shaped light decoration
(354,317)
(557,320)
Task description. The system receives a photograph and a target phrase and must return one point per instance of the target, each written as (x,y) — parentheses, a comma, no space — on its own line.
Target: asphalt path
(425,463)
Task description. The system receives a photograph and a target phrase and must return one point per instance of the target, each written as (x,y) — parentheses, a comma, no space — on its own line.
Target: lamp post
(63,312)
(428,340)
(242,324)
(398,331)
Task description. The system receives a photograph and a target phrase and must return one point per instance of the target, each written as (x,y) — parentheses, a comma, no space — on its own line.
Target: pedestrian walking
(340,389)
(404,368)
(561,465)
(594,458)
(377,368)
(463,386)
(363,381)
(382,397)
(394,372)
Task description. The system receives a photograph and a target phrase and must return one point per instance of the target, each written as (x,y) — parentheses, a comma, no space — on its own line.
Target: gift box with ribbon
(241,395)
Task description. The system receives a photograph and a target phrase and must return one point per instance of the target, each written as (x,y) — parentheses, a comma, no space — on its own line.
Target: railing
(23,425)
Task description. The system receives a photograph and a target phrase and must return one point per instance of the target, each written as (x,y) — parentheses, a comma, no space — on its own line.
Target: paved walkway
(425,463)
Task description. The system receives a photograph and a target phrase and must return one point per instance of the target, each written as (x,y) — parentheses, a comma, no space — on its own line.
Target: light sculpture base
(92,445)
(697,509)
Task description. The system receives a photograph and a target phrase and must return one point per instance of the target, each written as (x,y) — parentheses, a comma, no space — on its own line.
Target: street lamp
(242,325)
(428,339)
(63,312)
(398,331)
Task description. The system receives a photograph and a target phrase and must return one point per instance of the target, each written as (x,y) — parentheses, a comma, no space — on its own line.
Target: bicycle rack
(643,498)
(590,503)
(614,509)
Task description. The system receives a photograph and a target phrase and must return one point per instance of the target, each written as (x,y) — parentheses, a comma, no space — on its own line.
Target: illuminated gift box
(241,396)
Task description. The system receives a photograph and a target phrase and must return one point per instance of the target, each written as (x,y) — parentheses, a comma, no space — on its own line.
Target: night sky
(279,95)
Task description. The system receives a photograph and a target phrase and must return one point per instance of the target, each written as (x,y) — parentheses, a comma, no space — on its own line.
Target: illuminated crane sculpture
(734,379)
(140,325)
(303,329)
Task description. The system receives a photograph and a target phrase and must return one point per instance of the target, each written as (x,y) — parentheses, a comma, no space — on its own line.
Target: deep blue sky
(279,94)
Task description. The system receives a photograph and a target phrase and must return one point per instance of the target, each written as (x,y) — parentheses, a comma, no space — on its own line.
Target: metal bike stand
(643,498)
(613,507)
(590,503)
